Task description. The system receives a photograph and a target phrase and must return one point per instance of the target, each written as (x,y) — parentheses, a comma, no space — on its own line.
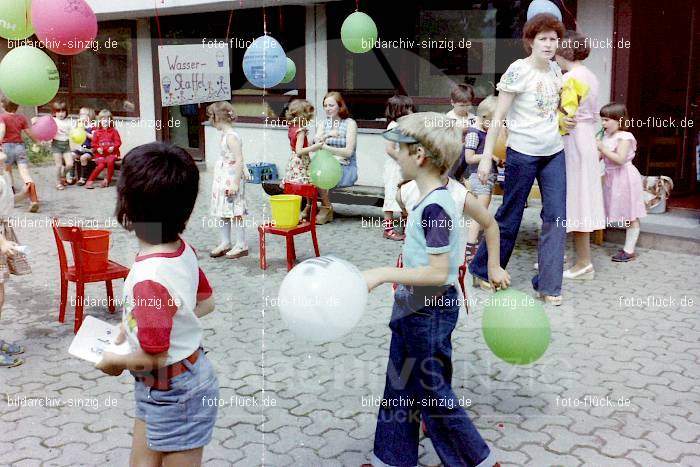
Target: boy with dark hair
(426,306)
(165,294)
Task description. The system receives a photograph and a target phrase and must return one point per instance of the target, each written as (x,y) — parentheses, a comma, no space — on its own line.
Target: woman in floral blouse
(528,100)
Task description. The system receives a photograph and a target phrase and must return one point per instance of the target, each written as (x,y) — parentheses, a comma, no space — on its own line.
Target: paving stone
(599,348)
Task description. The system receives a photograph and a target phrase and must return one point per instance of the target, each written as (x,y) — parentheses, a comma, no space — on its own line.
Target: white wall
(596,19)
(123,9)
(137,131)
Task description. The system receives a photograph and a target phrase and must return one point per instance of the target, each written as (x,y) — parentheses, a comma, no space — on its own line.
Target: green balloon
(15,19)
(515,327)
(358,33)
(291,71)
(325,170)
(28,76)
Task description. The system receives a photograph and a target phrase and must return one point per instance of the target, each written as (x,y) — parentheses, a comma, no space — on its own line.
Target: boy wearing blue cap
(426,306)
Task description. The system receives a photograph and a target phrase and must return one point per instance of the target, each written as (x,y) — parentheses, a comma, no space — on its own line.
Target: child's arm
(620,155)
(498,276)
(205,297)
(3,128)
(113,364)
(300,149)
(434,274)
(471,157)
(116,142)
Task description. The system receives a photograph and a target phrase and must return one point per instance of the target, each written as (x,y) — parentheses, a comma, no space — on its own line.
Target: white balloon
(543,6)
(322,299)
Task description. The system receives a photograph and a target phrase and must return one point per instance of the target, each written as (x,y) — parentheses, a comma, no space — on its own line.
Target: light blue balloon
(265,63)
(542,6)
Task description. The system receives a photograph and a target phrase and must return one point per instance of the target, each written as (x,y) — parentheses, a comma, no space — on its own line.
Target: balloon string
(281,21)
(228,28)
(160,35)
(264,21)
(357,5)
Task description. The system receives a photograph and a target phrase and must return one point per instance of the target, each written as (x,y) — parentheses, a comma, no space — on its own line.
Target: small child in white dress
(228,188)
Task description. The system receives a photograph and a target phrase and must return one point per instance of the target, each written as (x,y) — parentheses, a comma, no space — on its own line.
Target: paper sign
(94,338)
(190,74)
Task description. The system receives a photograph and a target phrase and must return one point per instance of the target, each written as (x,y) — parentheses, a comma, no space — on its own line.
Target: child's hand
(100,151)
(121,337)
(332,134)
(8,248)
(601,146)
(110,149)
(108,365)
(499,277)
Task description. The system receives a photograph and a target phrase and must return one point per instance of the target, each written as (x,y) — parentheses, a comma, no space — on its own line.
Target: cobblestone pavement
(632,336)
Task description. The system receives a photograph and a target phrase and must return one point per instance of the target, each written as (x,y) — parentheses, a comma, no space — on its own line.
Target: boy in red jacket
(105,145)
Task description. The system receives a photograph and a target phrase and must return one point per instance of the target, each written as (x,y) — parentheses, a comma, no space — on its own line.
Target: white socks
(631,237)
(239,229)
(225,231)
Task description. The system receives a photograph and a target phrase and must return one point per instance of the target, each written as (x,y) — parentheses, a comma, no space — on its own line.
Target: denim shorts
(60,146)
(183,417)
(16,153)
(478,188)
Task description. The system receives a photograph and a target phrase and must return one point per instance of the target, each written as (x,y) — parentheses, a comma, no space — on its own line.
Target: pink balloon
(45,128)
(66,27)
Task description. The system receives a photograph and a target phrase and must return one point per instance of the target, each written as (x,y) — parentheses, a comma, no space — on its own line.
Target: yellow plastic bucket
(285,210)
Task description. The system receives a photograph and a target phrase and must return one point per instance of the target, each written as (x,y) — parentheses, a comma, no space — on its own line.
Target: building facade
(422,52)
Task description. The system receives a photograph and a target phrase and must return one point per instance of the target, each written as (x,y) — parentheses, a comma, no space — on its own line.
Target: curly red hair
(544,22)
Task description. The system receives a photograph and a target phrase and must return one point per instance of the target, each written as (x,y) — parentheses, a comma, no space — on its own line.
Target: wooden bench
(358,194)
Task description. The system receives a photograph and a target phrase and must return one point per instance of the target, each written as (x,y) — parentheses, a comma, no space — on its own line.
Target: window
(102,78)
(286,24)
(433,46)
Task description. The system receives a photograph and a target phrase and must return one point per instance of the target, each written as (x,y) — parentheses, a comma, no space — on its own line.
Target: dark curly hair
(156,192)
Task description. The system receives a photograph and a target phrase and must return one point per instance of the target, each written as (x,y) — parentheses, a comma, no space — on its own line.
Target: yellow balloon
(78,135)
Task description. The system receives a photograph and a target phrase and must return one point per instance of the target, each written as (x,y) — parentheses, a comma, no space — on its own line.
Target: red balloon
(66,27)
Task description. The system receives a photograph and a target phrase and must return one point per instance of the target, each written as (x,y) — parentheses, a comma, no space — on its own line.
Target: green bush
(38,153)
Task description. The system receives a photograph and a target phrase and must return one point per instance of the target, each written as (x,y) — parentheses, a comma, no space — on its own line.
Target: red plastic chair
(75,273)
(311,194)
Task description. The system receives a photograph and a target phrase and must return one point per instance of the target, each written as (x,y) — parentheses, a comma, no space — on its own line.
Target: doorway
(657,77)
(186,129)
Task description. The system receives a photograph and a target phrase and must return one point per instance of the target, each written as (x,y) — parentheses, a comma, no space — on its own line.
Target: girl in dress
(396,107)
(299,115)
(106,144)
(622,189)
(584,192)
(228,189)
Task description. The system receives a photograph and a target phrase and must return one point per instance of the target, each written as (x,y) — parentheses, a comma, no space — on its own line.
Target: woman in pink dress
(584,193)
(623,182)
